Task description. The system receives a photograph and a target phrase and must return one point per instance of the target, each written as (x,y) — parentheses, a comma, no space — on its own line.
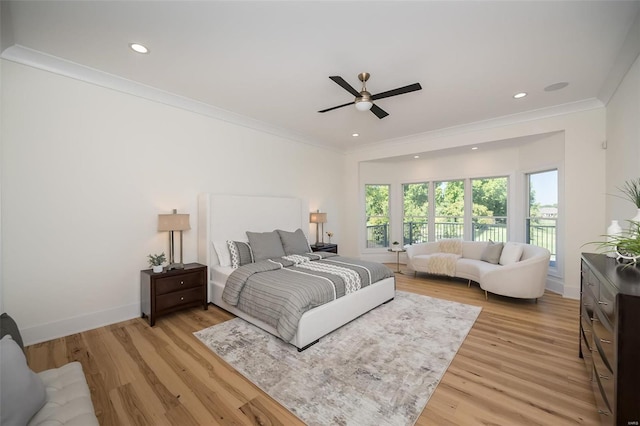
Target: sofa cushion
(473,269)
(473,249)
(492,252)
(511,253)
(9,326)
(68,398)
(23,392)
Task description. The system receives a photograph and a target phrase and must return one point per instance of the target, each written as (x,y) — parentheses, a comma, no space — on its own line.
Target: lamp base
(319,244)
(175,266)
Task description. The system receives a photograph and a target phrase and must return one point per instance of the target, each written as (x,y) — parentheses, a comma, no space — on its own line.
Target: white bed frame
(228,217)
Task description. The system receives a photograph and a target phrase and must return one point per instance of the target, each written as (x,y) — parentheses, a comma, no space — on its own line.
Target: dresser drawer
(585,349)
(178,283)
(606,416)
(590,281)
(606,302)
(177,299)
(603,340)
(604,375)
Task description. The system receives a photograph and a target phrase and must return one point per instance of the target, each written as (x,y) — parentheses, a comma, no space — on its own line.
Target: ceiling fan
(364,100)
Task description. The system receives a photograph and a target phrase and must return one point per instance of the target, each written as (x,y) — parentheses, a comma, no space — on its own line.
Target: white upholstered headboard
(228,217)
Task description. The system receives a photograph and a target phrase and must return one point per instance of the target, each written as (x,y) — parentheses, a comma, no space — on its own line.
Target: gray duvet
(278,291)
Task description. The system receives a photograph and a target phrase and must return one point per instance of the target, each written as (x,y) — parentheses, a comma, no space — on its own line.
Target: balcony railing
(540,232)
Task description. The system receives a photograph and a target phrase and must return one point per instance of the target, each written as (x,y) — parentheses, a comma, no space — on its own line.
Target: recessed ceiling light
(355,135)
(556,86)
(416,156)
(139,48)
(474,148)
(520,95)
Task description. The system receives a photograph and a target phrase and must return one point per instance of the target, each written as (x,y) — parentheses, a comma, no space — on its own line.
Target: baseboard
(66,327)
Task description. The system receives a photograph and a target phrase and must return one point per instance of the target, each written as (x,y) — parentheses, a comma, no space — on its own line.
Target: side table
(397,252)
(169,291)
(326,247)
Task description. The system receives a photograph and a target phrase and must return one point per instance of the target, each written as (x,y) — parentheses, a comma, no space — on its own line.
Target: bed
(229,217)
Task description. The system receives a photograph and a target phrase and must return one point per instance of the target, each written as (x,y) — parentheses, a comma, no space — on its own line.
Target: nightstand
(169,291)
(327,247)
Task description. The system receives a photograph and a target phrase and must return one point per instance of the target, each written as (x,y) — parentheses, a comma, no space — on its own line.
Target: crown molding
(507,120)
(40,60)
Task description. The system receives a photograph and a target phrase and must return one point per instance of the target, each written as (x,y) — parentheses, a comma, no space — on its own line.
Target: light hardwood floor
(519,365)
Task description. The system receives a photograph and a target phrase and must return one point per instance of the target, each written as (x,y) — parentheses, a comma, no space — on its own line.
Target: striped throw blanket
(279,291)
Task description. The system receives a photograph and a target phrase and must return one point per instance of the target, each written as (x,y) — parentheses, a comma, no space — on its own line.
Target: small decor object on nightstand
(156,261)
(329,234)
(395,246)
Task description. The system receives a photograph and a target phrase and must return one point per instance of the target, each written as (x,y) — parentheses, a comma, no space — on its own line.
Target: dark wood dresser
(610,336)
(169,291)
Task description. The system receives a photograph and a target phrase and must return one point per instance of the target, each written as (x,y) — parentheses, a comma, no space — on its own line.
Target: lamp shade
(173,222)
(317,217)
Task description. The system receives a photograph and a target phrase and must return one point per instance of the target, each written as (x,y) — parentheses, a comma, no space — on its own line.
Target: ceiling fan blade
(379,112)
(336,107)
(346,86)
(399,91)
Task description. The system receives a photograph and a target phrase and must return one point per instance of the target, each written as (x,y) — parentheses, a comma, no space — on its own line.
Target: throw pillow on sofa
(511,253)
(23,393)
(9,326)
(492,252)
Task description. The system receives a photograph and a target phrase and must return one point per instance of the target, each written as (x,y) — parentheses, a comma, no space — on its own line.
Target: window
(377,215)
(542,218)
(489,210)
(449,203)
(415,199)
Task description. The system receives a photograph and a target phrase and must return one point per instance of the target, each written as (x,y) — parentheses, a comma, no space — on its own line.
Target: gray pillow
(9,326)
(265,245)
(492,252)
(240,253)
(294,242)
(23,393)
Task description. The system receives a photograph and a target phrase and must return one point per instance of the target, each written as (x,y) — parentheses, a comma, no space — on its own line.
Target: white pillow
(222,250)
(23,392)
(511,253)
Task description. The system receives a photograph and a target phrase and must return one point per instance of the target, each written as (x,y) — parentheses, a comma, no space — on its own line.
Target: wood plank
(518,365)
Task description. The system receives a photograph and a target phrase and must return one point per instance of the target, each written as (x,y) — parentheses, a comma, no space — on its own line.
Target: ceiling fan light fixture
(363,102)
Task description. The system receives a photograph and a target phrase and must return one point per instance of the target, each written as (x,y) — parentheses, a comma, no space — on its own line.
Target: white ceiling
(270,60)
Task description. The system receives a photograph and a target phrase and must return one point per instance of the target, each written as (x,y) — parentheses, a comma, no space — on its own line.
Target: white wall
(584,169)
(623,144)
(85,172)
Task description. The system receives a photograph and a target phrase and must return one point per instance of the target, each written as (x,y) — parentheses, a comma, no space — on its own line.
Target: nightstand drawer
(176,299)
(178,283)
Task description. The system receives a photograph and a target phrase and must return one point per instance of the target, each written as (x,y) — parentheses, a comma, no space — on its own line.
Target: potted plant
(395,246)
(624,246)
(631,192)
(156,261)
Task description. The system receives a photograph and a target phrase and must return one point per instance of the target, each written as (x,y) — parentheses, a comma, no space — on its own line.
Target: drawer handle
(602,376)
(594,319)
(605,341)
(606,413)
(602,303)
(182,298)
(181,282)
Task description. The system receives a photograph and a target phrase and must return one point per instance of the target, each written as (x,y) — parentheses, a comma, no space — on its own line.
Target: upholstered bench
(59,396)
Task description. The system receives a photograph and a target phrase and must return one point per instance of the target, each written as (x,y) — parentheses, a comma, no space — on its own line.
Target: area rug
(380,369)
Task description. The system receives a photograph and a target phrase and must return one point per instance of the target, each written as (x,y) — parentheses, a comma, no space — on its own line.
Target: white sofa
(520,271)
(59,396)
